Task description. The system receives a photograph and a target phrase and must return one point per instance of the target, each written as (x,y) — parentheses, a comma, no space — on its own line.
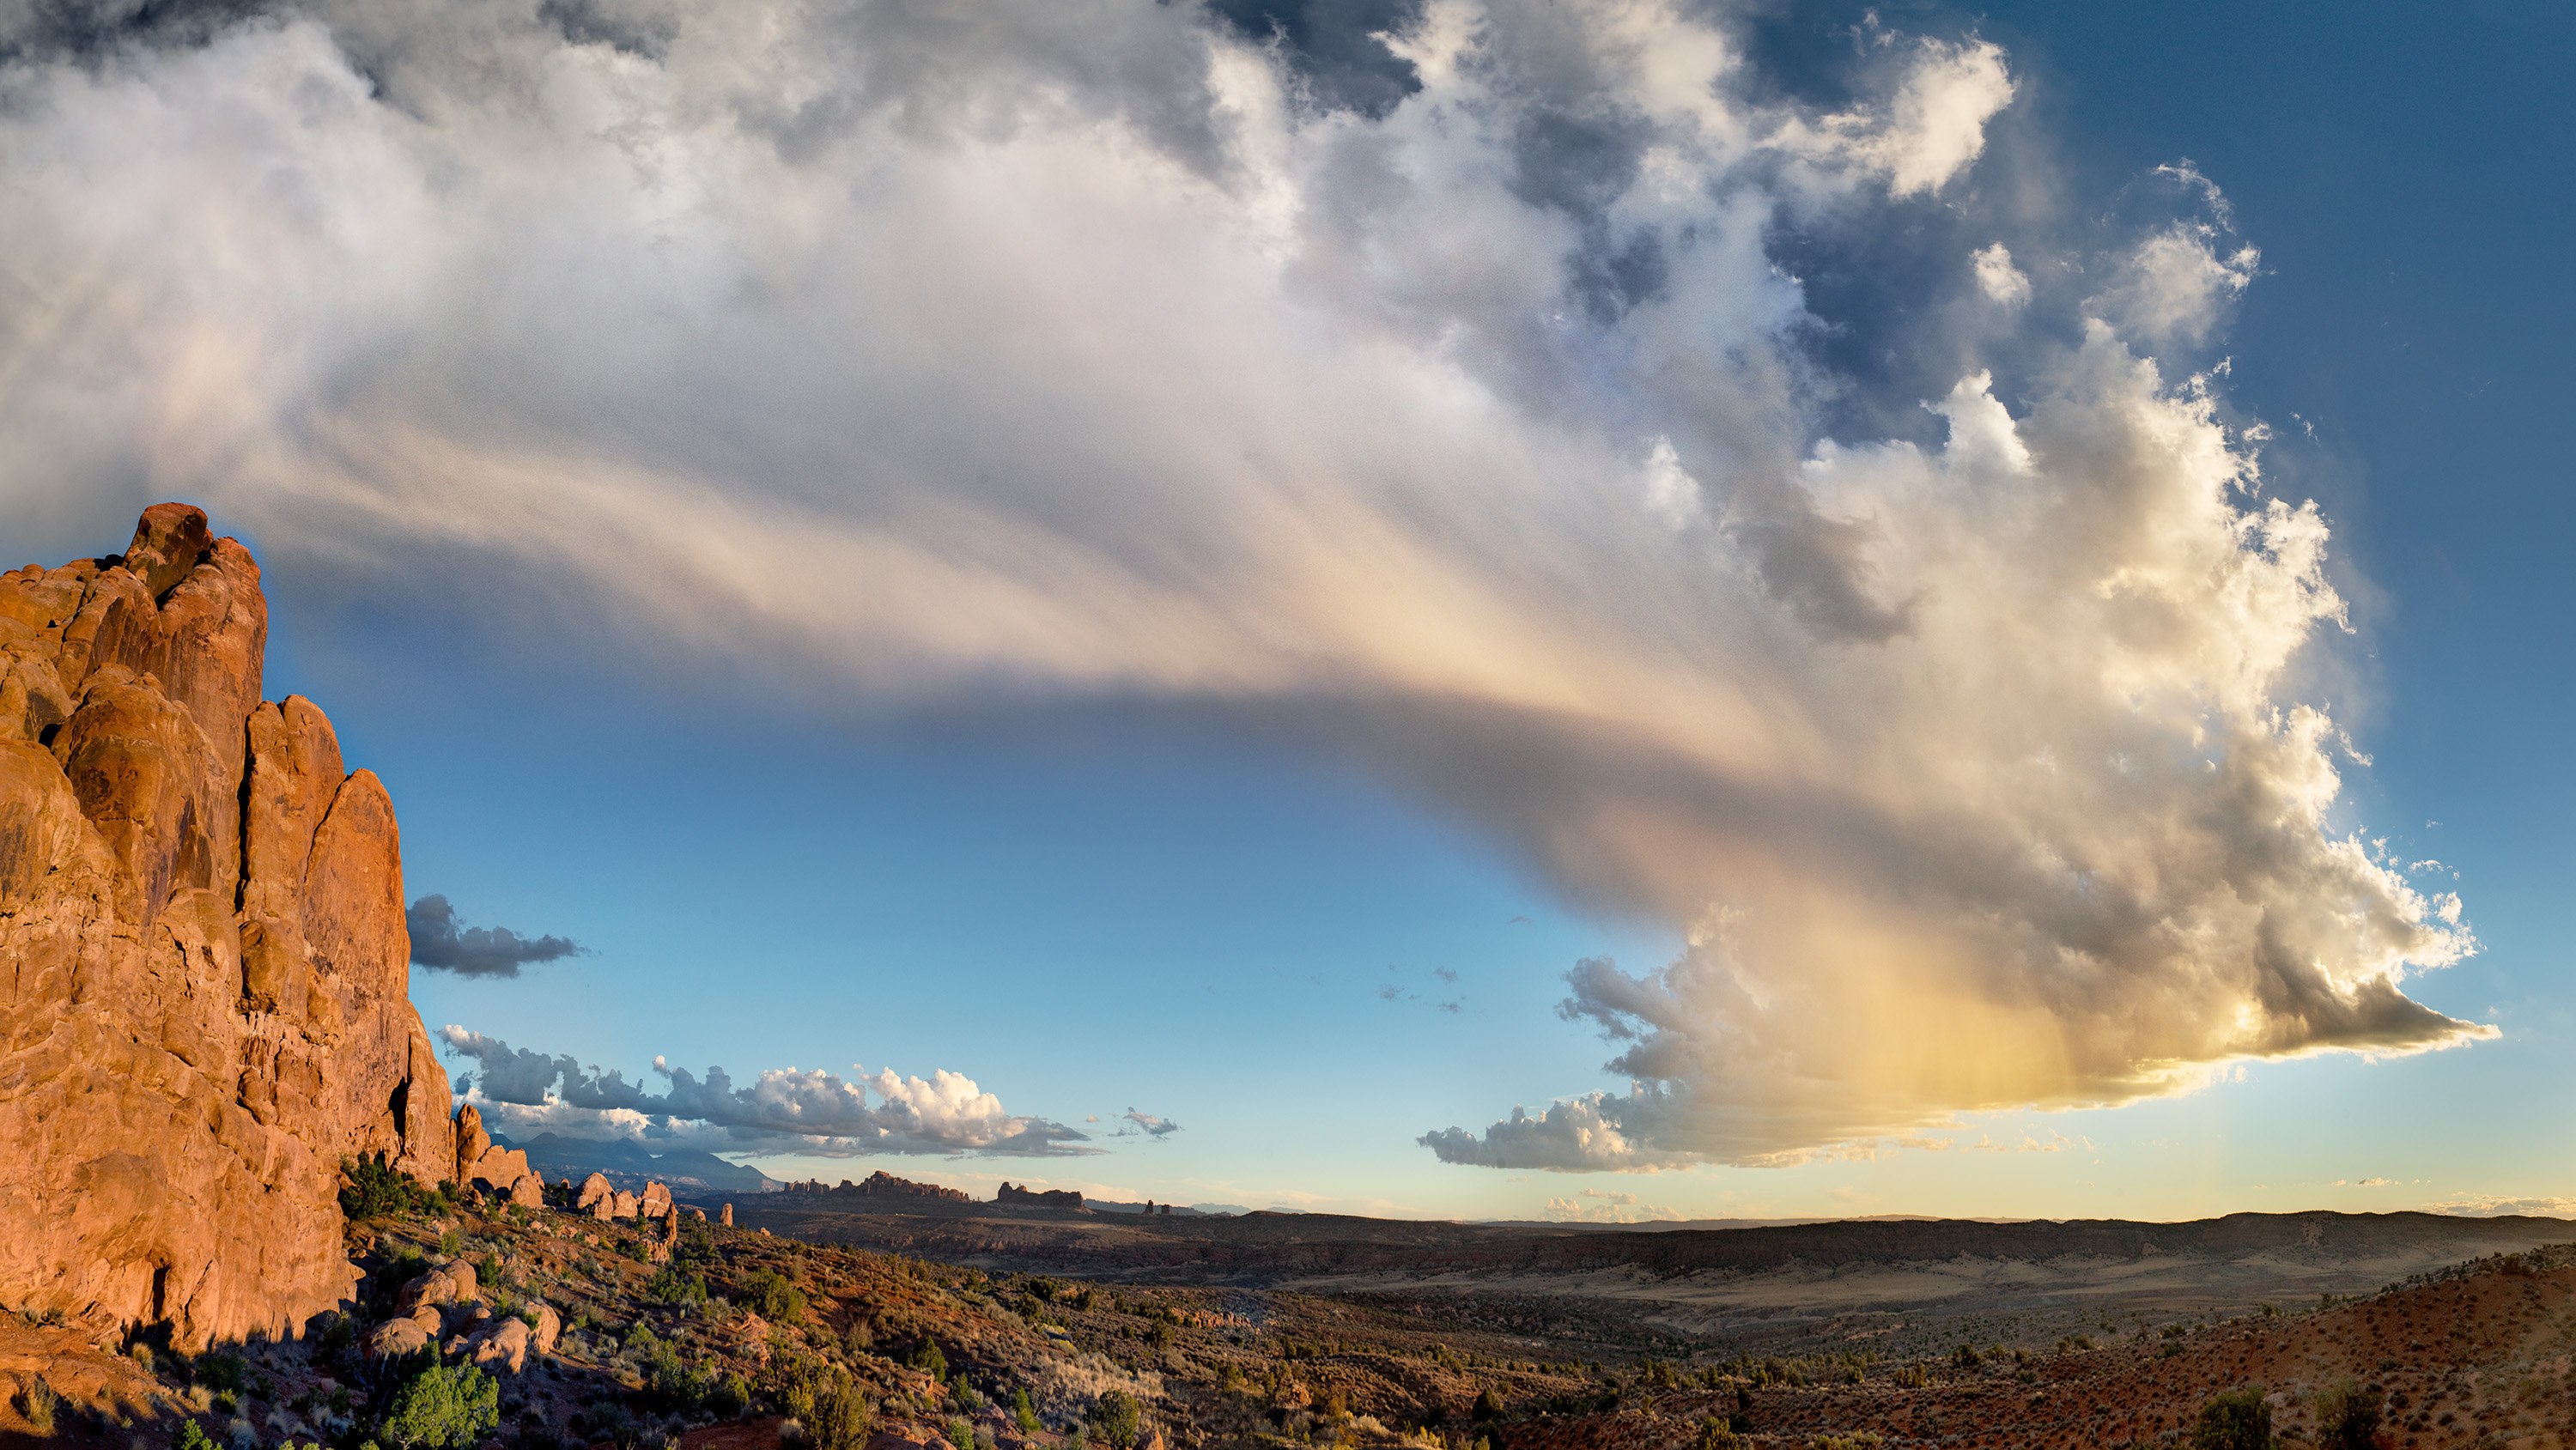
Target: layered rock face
(204,973)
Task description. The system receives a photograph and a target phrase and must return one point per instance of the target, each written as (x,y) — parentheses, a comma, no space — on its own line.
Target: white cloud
(808,1112)
(1998,278)
(1593,1205)
(1932,128)
(1071,352)
(2177,284)
(2504,1205)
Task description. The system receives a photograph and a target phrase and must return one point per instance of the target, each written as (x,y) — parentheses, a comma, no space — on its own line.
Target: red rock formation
(471,1142)
(204,974)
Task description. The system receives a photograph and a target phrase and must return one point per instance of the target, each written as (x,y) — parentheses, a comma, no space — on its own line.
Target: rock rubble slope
(204,989)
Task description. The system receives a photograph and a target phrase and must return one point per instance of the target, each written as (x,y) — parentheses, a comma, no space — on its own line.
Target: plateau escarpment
(204,972)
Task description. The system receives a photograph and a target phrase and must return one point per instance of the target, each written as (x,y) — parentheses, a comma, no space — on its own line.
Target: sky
(1473,608)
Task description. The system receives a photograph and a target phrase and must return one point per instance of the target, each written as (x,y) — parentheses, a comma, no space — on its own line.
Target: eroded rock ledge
(204,972)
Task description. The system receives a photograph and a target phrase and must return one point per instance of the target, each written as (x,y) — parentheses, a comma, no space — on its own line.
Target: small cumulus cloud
(441,940)
(1997,277)
(1145,1124)
(1594,1205)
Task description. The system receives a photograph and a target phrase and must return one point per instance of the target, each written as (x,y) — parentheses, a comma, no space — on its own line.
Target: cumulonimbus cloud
(1463,410)
(809,1113)
(441,940)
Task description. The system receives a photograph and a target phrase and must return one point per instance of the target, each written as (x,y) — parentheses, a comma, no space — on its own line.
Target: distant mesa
(1039,1197)
(881,1184)
(206,1006)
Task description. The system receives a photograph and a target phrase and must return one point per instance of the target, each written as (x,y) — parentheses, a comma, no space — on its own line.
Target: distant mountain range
(629,1164)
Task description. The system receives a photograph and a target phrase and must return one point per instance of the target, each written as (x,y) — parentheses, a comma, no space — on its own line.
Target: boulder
(549,1328)
(726,1216)
(501,1345)
(655,1200)
(397,1337)
(595,1190)
(205,1009)
(621,1205)
(497,1169)
(698,1214)
(450,1283)
(529,1191)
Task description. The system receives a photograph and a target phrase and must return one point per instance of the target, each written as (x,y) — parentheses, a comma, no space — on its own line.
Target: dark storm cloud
(1334,46)
(440,939)
(89,29)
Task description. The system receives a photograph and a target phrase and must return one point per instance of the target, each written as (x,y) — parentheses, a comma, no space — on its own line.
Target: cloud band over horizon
(808,1113)
(1459,406)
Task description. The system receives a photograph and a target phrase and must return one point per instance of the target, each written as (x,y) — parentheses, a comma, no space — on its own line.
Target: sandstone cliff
(204,973)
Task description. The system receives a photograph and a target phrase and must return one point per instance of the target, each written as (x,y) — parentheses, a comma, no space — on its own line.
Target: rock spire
(204,973)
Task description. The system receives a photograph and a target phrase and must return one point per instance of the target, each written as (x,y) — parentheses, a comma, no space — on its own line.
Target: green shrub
(679,1290)
(960,1435)
(730,1397)
(773,1296)
(697,1242)
(2348,1415)
(1489,1406)
(1025,1414)
(669,1383)
(370,1188)
(219,1371)
(443,1408)
(191,1436)
(1117,1418)
(928,1358)
(794,1383)
(1716,1434)
(842,1419)
(2236,1420)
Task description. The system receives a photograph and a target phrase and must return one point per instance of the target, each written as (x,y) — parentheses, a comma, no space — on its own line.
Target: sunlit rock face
(204,999)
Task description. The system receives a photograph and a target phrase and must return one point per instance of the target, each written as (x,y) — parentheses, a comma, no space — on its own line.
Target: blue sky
(594,572)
